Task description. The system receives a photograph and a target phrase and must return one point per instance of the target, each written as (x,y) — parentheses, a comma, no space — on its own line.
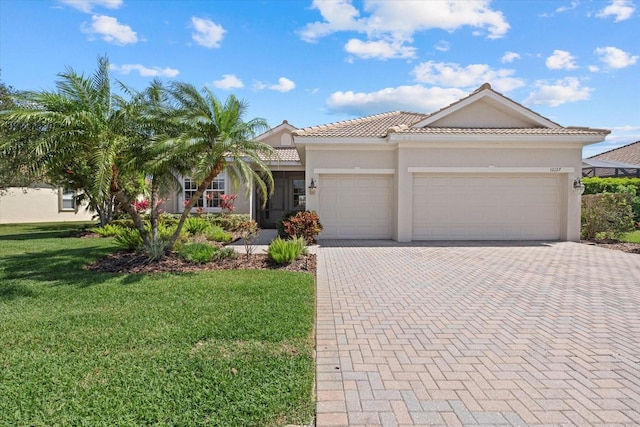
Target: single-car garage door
(486,207)
(355,206)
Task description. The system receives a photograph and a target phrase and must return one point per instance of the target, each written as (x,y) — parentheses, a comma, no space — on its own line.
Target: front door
(289,194)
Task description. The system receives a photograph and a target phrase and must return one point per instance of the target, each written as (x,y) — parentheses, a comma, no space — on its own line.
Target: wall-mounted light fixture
(578,186)
(312,187)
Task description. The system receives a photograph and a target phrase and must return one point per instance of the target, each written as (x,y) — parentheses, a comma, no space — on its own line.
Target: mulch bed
(633,248)
(136,262)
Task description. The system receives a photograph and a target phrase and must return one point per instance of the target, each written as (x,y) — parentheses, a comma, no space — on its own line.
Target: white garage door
(486,207)
(355,206)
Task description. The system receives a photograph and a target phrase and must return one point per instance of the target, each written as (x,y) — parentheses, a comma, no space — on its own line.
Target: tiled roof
(628,154)
(400,122)
(370,126)
(502,131)
(380,125)
(285,155)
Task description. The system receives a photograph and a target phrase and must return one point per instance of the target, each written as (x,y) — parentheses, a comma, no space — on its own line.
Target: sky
(311,62)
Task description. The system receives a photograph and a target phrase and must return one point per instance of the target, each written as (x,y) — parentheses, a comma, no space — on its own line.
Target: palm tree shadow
(59,267)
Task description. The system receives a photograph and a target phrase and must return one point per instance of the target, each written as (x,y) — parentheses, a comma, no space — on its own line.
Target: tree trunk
(187,209)
(154,210)
(128,207)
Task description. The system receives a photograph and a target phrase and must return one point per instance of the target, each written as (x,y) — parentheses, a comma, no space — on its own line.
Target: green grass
(633,237)
(223,348)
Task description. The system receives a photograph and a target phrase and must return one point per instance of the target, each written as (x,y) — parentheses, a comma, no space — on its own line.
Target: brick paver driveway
(468,334)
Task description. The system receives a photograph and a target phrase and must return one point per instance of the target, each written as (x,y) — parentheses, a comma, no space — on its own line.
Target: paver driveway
(467,334)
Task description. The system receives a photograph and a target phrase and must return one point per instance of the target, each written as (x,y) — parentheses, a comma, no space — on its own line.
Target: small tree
(606,215)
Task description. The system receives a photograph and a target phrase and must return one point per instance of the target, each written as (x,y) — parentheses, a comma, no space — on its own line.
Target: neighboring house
(40,203)
(623,162)
(482,168)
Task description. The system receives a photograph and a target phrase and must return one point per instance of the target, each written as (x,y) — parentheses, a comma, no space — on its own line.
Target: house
(623,162)
(482,168)
(40,203)
(289,185)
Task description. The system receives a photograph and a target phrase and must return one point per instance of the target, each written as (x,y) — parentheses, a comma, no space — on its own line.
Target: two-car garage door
(486,207)
(445,207)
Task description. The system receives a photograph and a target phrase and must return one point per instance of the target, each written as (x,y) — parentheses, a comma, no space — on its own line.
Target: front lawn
(633,237)
(231,348)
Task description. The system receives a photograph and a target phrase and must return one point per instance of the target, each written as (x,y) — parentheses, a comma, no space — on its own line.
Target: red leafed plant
(305,224)
(226,202)
(141,205)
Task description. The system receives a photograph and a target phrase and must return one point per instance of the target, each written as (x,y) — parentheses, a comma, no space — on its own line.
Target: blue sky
(319,61)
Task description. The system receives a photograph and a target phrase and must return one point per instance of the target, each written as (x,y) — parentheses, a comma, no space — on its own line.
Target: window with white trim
(210,199)
(67,200)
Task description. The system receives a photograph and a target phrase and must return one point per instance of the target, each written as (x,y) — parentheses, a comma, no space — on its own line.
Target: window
(299,194)
(210,200)
(67,200)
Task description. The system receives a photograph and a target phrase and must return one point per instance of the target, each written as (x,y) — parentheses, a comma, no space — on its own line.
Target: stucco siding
(18,205)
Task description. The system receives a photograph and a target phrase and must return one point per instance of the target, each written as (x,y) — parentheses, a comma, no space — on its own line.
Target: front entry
(289,194)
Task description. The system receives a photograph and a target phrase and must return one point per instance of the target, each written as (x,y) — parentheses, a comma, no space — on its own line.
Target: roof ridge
(487,87)
(351,121)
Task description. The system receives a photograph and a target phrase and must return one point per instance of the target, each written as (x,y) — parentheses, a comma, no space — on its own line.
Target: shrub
(195,225)
(124,223)
(606,215)
(285,251)
(226,252)
(597,185)
(129,238)
(305,224)
(198,253)
(217,234)
(280,224)
(231,222)
(108,230)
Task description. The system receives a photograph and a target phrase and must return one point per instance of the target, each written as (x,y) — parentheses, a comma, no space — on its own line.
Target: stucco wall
(482,114)
(31,205)
(485,154)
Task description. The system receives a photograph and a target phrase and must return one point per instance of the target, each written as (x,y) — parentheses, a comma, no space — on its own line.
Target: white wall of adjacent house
(40,204)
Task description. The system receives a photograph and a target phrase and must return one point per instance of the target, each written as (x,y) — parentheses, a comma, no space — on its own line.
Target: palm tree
(73,135)
(213,137)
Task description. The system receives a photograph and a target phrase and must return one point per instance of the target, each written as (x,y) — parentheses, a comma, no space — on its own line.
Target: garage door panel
(355,206)
(482,207)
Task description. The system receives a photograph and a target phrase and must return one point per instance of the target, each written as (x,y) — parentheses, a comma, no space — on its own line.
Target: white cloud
(454,75)
(110,30)
(594,68)
(620,9)
(228,81)
(284,85)
(572,6)
(145,71)
(206,32)
(509,57)
(408,98)
(627,128)
(379,49)
(558,93)
(561,60)
(88,5)
(393,23)
(442,46)
(616,58)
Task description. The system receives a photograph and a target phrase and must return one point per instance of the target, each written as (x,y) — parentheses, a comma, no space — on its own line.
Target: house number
(555,169)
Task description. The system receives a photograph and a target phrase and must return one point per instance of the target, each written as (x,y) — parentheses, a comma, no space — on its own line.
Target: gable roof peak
(485,86)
